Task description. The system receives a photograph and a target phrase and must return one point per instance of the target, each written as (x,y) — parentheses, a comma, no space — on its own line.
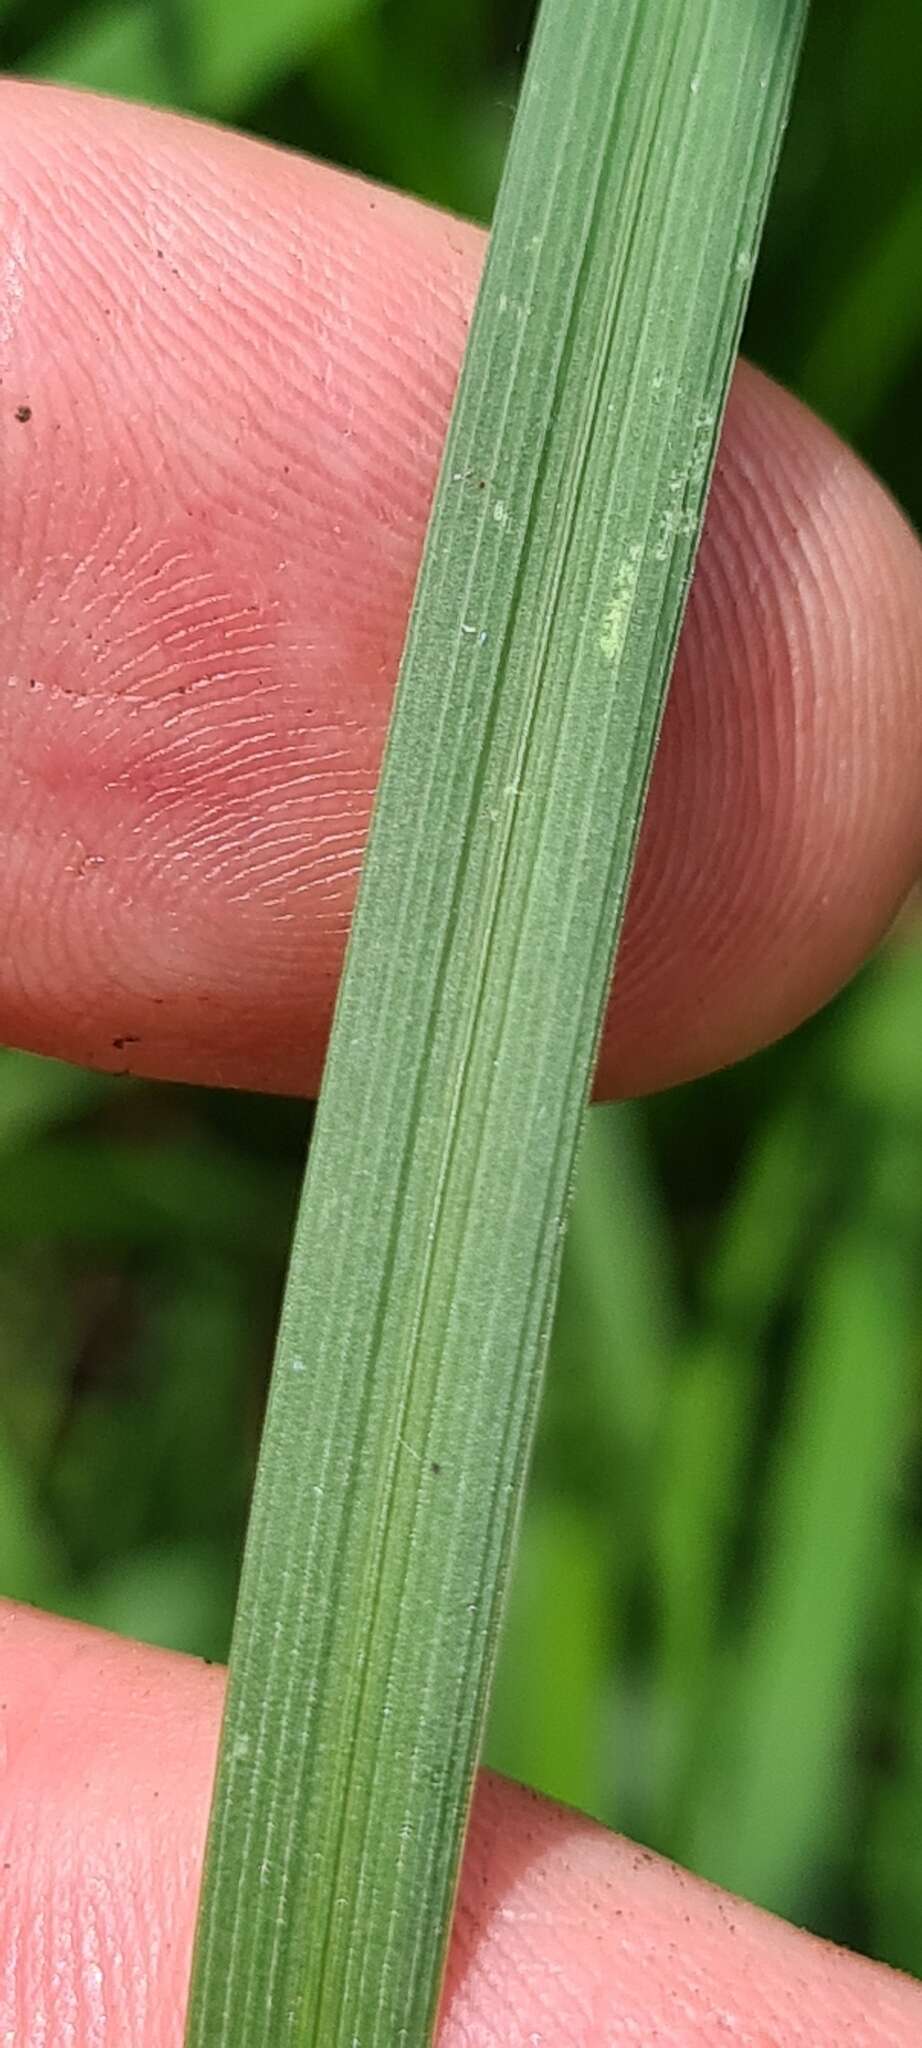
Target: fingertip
(572,1937)
(238,369)
(784,826)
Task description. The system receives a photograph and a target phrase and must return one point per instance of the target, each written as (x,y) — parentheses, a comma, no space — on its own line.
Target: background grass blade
(770,1806)
(878,319)
(232,46)
(789,1715)
(706,1463)
(120,47)
(547,1718)
(556,1720)
(427,1251)
(894,1873)
(617,1281)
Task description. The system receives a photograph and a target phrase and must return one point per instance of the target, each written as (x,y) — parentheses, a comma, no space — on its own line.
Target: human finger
(226,375)
(564,1934)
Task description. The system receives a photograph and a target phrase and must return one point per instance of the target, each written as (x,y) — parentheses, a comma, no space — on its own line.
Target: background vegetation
(716,1631)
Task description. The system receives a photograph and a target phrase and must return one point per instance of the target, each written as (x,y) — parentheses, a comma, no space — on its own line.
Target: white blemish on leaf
(685,488)
(617,616)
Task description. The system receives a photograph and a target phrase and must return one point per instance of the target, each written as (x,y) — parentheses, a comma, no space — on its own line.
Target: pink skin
(565,1936)
(238,368)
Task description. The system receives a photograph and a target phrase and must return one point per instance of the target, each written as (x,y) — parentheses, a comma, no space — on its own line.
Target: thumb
(564,1935)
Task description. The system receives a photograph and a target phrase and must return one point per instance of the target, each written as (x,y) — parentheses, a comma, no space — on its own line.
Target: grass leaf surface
(426,1257)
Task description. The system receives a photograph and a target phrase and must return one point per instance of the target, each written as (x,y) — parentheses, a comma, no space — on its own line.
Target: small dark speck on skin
(23,414)
(130,1038)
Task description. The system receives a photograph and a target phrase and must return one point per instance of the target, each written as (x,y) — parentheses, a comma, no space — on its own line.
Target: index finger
(226,380)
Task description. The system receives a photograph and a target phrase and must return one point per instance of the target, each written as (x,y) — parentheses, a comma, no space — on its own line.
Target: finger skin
(226,375)
(564,1934)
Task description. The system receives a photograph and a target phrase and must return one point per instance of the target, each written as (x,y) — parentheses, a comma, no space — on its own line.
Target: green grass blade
(556,1721)
(427,1252)
(876,1051)
(619,1281)
(894,1867)
(763,1235)
(711,1420)
(235,50)
(30,1564)
(769,1803)
(117,47)
(416,132)
(547,1722)
(870,336)
(694,1509)
(85,1189)
(38,1094)
(176,1597)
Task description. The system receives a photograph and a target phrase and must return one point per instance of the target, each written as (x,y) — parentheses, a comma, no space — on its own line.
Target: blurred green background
(715,1636)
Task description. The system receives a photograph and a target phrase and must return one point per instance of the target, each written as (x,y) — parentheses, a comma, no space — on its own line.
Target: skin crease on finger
(565,1937)
(225,376)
